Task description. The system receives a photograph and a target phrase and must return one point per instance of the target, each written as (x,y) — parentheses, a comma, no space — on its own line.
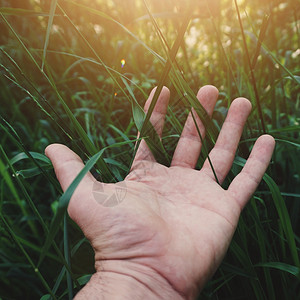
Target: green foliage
(62,80)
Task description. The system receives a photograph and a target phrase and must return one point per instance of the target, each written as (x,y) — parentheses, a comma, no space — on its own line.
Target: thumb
(67,165)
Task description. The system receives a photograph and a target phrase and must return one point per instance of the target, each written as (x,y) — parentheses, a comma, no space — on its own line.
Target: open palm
(174,222)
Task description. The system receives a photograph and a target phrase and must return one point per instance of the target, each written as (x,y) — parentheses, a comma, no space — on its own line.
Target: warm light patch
(123,62)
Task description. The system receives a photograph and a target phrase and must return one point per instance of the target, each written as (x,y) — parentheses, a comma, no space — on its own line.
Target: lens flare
(123,62)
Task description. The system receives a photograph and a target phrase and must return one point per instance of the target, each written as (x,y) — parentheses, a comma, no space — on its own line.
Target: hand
(169,233)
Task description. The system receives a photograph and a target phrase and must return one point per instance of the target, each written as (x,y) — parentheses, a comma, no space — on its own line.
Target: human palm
(175,221)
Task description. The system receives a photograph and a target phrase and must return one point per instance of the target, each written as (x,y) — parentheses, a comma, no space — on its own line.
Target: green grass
(61,80)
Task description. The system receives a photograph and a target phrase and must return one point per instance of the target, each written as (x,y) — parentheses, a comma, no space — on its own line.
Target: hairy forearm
(116,281)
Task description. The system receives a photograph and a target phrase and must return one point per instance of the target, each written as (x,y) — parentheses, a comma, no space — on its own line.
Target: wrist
(128,280)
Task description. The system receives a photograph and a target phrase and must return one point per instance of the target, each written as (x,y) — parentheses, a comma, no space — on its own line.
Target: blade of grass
(262,34)
(67,257)
(205,149)
(167,68)
(179,81)
(63,270)
(20,41)
(275,60)
(37,249)
(34,267)
(190,100)
(163,40)
(30,223)
(282,267)
(284,218)
(35,210)
(14,137)
(35,155)
(257,98)
(58,281)
(48,32)
(104,170)
(263,249)
(151,137)
(27,79)
(295,78)
(7,179)
(245,261)
(282,211)
(218,36)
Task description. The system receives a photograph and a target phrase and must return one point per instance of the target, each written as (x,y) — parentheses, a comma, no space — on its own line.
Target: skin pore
(170,232)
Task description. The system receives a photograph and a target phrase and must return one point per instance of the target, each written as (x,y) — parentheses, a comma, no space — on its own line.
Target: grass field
(77,72)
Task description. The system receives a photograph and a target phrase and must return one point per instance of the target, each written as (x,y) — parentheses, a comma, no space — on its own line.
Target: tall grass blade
(263,247)
(34,98)
(20,41)
(178,80)
(28,198)
(281,266)
(284,218)
(152,139)
(219,41)
(48,32)
(35,155)
(67,257)
(282,211)
(205,149)
(180,83)
(167,68)
(30,202)
(262,34)
(6,177)
(34,267)
(82,134)
(251,70)
(244,259)
(14,137)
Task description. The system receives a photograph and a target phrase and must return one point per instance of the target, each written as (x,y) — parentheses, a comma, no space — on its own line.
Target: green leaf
(281,266)
(31,172)
(84,279)
(295,77)
(35,155)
